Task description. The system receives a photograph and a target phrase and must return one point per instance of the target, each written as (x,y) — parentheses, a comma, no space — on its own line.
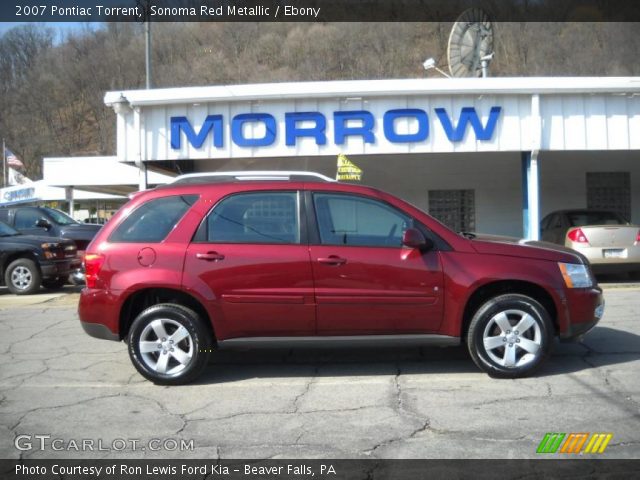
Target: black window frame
(137,209)
(201,234)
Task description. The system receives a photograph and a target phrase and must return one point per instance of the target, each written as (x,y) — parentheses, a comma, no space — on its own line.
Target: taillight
(577,235)
(638,237)
(92,265)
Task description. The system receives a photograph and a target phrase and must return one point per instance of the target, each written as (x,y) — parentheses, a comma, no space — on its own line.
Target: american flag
(12,159)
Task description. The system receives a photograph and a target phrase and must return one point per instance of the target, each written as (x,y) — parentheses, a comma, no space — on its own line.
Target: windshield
(59,217)
(581,219)
(7,231)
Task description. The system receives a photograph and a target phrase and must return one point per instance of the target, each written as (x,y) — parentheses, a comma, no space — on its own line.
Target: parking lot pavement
(388,403)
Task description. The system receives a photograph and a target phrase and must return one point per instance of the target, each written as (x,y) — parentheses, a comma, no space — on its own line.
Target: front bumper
(586,308)
(55,269)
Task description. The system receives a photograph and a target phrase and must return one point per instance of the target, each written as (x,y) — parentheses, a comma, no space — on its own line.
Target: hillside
(51,100)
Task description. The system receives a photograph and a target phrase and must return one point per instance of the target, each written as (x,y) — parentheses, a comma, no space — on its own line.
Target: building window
(610,191)
(454,208)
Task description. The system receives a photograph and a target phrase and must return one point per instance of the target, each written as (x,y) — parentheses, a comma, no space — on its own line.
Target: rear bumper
(99,313)
(586,308)
(97,330)
(628,259)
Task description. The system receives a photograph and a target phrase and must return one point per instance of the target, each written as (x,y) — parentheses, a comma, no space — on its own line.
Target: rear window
(582,219)
(152,221)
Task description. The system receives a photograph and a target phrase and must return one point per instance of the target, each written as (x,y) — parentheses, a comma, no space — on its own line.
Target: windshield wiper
(468,235)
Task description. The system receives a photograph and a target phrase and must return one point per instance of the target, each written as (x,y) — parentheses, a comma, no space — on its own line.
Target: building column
(68,193)
(530,196)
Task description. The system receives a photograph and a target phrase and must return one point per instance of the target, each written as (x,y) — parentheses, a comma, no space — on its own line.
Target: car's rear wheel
(23,277)
(169,344)
(510,336)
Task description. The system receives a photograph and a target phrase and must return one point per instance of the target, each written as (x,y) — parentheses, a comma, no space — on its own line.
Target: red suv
(239,259)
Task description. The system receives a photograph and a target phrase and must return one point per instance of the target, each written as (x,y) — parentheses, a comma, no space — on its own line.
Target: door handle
(210,256)
(332,260)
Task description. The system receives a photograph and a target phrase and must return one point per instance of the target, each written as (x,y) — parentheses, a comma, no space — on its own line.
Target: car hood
(33,240)
(518,247)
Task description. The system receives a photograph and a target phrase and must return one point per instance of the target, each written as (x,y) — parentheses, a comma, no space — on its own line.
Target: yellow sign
(347,170)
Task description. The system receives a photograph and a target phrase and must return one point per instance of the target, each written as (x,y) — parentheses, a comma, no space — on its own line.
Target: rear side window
(264,217)
(4,215)
(153,221)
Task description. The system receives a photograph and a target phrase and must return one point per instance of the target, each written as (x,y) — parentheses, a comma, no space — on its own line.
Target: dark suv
(28,261)
(45,221)
(297,259)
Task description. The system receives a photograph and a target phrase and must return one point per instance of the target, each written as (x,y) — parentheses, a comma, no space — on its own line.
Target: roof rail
(218,177)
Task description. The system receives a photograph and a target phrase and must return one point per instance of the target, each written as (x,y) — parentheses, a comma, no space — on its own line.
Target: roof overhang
(376,88)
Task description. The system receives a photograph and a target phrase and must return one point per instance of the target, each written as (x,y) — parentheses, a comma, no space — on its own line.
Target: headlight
(46,247)
(576,275)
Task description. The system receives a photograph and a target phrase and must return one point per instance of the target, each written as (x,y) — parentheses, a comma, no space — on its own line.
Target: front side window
(359,221)
(152,221)
(256,217)
(27,218)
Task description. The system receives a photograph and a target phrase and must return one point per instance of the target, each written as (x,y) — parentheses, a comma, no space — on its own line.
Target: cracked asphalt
(381,403)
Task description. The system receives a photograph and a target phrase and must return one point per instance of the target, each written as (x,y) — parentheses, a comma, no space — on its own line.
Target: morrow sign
(314,125)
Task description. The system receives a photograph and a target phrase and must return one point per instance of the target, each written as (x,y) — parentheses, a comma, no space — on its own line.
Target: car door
(366,282)
(252,255)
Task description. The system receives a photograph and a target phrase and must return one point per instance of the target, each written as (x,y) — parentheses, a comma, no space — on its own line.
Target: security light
(430,63)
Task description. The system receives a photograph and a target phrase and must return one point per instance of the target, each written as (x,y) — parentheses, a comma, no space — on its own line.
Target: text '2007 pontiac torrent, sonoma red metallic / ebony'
(293,258)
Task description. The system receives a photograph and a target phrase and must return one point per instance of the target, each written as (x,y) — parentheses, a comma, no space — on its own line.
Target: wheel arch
(489,290)
(147,297)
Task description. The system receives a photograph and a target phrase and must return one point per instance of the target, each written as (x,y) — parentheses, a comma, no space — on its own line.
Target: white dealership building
(492,155)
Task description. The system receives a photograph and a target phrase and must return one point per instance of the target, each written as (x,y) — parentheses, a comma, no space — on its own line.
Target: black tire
(530,347)
(54,283)
(23,277)
(196,345)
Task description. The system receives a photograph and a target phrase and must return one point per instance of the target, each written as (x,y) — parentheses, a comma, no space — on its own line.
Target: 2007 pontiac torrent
(294,258)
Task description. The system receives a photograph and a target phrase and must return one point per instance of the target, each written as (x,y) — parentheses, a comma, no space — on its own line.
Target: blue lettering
(469,115)
(212,122)
(358,123)
(341,129)
(237,134)
(293,131)
(389,125)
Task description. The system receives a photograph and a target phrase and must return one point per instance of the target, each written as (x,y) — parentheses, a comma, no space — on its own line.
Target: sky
(62,27)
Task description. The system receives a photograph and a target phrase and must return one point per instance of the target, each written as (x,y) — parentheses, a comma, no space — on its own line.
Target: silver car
(610,243)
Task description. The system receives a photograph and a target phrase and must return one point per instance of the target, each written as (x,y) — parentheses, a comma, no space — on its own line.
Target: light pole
(147,50)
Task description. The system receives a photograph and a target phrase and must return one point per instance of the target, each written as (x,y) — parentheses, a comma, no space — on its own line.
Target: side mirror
(413,238)
(43,223)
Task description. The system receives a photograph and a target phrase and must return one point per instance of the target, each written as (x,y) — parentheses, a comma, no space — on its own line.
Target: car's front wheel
(510,336)
(169,344)
(23,277)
